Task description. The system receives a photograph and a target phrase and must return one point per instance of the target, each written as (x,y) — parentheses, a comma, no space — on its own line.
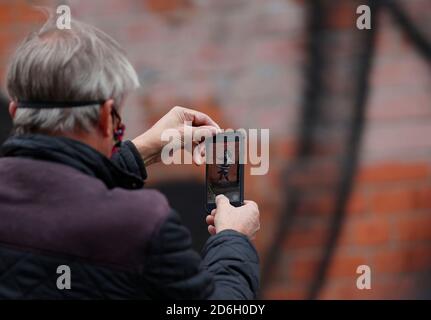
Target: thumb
(199,154)
(222,202)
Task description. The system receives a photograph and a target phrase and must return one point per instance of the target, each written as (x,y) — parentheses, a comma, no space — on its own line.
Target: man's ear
(105,118)
(12,109)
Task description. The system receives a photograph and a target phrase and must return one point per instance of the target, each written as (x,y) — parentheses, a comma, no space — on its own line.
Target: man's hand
(150,144)
(243,219)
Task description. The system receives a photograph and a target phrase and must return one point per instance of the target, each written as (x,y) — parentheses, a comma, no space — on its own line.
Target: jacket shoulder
(75,214)
(139,202)
(126,221)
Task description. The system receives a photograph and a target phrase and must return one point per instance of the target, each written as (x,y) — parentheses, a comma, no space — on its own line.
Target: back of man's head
(80,64)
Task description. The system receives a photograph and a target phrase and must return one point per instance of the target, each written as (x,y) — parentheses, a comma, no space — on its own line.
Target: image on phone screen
(224,174)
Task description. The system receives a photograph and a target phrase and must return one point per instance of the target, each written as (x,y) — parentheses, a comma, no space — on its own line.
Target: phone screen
(224,170)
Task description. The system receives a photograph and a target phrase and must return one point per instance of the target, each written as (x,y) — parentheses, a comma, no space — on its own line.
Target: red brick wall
(241,62)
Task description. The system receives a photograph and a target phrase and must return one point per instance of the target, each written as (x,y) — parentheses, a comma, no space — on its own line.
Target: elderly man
(66,199)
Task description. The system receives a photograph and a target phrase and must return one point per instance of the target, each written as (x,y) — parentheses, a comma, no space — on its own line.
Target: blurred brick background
(241,61)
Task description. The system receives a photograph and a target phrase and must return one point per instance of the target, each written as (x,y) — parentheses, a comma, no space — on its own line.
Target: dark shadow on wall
(187,198)
(330,172)
(336,166)
(5,120)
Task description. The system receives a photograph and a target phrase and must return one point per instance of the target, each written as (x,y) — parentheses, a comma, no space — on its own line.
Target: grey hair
(80,64)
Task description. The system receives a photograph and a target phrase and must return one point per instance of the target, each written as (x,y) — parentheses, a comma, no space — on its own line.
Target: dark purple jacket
(118,243)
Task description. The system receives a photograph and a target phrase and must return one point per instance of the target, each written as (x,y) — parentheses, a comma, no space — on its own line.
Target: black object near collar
(56,104)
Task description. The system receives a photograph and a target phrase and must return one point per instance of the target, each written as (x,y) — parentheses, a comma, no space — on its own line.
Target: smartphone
(224,168)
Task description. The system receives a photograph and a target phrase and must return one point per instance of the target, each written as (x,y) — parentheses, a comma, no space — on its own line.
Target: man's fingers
(199,134)
(213,212)
(222,201)
(210,219)
(202,132)
(199,155)
(199,118)
(212,230)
